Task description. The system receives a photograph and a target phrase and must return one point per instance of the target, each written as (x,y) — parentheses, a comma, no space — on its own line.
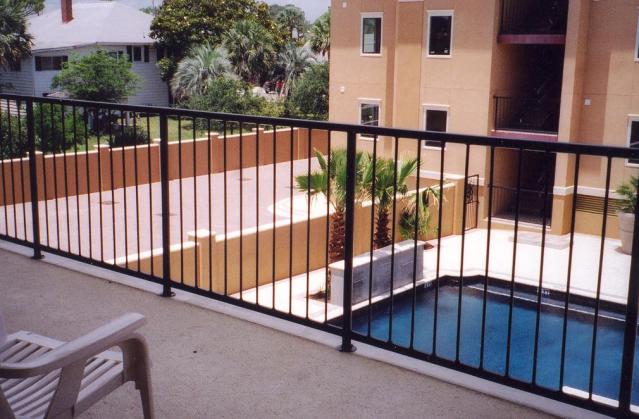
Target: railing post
(33,182)
(347,317)
(630,332)
(166,221)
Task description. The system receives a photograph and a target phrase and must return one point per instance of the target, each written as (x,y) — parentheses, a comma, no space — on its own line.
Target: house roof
(104,23)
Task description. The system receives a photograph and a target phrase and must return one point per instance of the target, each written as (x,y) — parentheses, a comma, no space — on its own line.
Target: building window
(372,33)
(116,54)
(633,137)
(369,115)
(435,119)
(440,33)
(50,63)
(134,53)
(146,53)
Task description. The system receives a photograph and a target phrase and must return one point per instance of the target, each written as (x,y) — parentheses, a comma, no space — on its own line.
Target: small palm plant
(628,192)
(331,181)
(390,180)
(414,220)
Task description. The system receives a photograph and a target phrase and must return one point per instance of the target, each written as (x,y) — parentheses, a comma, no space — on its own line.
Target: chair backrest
(3,331)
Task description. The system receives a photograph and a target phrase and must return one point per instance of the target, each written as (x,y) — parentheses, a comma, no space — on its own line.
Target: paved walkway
(208,365)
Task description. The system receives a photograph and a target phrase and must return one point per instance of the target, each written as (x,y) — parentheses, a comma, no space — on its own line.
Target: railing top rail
(444,137)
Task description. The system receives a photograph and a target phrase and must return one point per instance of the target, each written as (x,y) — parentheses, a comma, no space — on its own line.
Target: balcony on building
(538,22)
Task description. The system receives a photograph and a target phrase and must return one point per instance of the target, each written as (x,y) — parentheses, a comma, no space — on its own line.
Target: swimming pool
(609,346)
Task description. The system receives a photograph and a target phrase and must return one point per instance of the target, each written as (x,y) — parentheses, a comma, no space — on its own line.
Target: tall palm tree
(293,21)
(202,64)
(334,177)
(15,42)
(294,61)
(390,180)
(320,35)
(251,50)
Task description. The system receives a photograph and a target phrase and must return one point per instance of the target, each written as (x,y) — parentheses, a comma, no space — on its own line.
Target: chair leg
(146,395)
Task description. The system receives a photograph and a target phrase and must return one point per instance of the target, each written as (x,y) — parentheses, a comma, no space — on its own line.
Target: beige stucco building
(553,70)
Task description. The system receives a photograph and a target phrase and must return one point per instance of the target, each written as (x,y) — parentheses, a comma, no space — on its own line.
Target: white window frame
(433,107)
(434,13)
(368,101)
(636,52)
(631,119)
(363,16)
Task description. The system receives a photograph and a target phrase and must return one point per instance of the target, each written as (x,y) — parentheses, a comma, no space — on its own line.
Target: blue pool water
(608,353)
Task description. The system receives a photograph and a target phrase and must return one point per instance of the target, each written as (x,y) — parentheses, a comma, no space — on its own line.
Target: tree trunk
(336,242)
(382,233)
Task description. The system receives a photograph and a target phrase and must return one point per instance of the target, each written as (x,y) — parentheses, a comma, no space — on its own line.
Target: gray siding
(21,82)
(152,90)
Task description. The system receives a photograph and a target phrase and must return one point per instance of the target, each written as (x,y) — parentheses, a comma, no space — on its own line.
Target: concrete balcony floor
(207,364)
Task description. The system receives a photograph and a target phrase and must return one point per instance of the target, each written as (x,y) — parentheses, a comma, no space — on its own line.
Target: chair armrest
(82,348)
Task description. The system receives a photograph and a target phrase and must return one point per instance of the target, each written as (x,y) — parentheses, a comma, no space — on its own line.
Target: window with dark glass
(440,34)
(146,53)
(137,54)
(50,63)
(633,141)
(436,120)
(369,115)
(371,35)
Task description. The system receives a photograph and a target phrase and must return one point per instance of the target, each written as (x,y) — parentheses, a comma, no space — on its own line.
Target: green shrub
(124,136)
(628,192)
(55,134)
(13,137)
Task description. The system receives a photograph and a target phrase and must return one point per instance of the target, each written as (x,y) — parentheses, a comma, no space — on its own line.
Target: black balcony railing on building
(534,17)
(221,215)
(527,115)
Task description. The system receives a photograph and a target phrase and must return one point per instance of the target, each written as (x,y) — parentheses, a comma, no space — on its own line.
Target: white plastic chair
(45,378)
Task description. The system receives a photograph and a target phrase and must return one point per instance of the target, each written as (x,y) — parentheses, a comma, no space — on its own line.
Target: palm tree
(390,179)
(320,35)
(202,64)
(295,61)
(415,216)
(251,50)
(15,42)
(292,20)
(334,176)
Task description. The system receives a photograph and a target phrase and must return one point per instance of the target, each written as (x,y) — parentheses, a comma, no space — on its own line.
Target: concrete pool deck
(207,364)
(585,266)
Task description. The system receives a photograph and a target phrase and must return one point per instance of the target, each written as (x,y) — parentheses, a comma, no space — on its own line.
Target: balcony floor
(206,364)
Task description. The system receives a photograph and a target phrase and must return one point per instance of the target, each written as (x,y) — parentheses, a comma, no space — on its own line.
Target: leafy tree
(251,50)
(389,181)
(320,35)
(181,24)
(15,42)
(294,61)
(334,176)
(202,64)
(310,93)
(97,76)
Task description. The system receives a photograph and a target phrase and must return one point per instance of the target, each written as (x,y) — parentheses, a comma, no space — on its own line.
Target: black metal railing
(534,17)
(226,216)
(527,115)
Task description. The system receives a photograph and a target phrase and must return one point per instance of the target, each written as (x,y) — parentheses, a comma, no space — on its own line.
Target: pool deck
(207,364)
(615,270)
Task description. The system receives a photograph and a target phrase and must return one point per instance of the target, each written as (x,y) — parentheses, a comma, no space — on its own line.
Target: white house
(81,29)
